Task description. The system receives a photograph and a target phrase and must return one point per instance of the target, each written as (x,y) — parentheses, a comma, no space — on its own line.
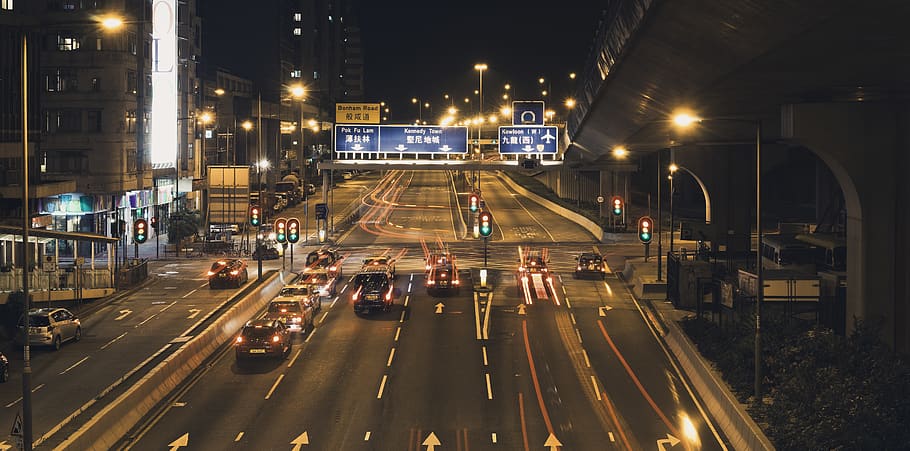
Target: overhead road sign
(523,139)
(401,139)
(423,139)
(357,113)
(356,138)
(527,112)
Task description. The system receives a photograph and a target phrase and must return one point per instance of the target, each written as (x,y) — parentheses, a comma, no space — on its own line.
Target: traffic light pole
(485,252)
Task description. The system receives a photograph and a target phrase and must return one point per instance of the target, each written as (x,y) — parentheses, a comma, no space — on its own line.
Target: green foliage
(183,224)
(823,391)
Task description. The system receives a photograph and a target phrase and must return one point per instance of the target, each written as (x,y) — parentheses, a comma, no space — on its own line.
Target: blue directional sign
(519,139)
(423,139)
(356,138)
(525,112)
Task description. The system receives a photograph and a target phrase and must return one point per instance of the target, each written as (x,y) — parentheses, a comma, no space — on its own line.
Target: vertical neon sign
(164,83)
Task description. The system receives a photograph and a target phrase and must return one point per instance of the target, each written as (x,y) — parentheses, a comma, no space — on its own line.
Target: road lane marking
(587,361)
(477,334)
(239,436)
(409,287)
(167,307)
(534,379)
(578,334)
(397,332)
(322,320)
(596,390)
(112,341)
(391,356)
(485,362)
(406,299)
(493,435)
(203,285)
(274,386)
(612,439)
(74,365)
(333,302)
(572,315)
(622,433)
(20,398)
(401,320)
(521,415)
(310,336)
(366,437)
(145,321)
(381,386)
(188,295)
(489,387)
(568,304)
(294,359)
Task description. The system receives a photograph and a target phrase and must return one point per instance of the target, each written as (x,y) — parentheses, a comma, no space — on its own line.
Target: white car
(319,281)
(347,175)
(300,292)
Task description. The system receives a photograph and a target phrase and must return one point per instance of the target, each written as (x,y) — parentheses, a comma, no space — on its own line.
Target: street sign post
(322,211)
(357,113)
(522,139)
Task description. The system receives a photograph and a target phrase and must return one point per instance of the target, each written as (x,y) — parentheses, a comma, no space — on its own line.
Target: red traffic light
(474,202)
(645,229)
(616,205)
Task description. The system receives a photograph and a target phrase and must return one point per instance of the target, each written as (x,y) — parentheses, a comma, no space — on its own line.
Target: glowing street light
(297,91)
(247,125)
(620,152)
(570,103)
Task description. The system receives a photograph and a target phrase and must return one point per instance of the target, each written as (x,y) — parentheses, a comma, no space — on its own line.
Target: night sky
(424,49)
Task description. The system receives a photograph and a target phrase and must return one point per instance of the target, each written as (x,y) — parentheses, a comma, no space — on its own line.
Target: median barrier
(106,428)
(582,221)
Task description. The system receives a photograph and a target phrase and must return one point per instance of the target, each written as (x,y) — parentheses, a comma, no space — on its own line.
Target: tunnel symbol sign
(528,117)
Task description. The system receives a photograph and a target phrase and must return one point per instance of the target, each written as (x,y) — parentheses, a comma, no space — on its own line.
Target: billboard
(164,83)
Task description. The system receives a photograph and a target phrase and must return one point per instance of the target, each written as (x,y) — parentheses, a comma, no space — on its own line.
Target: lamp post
(298,92)
(26,224)
(480,67)
(673,168)
(686,120)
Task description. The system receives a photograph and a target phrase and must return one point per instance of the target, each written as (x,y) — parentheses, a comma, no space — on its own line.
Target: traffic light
(474,202)
(255,215)
(140,231)
(486,223)
(616,202)
(293,230)
(154,222)
(281,225)
(645,229)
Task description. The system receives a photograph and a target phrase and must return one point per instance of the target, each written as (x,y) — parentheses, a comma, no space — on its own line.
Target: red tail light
(276,339)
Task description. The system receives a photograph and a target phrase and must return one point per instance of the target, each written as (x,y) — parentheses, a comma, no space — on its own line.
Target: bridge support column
(866,146)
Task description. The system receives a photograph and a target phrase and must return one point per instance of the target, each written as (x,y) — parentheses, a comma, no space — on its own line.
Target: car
(347,175)
(50,327)
(301,292)
(443,277)
(589,263)
(374,292)
(321,282)
(297,314)
(263,338)
(327,259)
(310,189)
(4,368)
(266,252)
(228,272)
(379,262)
(531,264)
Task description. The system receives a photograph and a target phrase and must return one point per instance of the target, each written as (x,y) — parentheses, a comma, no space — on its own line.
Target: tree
(183,224)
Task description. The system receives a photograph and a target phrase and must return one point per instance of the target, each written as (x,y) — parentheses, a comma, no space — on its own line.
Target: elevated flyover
(826,76)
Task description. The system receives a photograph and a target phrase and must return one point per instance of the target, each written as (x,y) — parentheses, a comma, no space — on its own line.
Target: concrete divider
(588,224)
(106,428)
(730,416)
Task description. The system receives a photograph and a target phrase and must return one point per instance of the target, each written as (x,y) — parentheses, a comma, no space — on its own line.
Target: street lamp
(684,120)
(206,118)
(673,168)
(298,92)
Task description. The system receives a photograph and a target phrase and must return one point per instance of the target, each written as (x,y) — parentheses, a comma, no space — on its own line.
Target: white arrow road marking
(521,309)
(302,439)
(439,307)
(552,442)
(123,314)
(602,311)
(5,446)
(180,442)
(670,440)
(194,312)
(431,441)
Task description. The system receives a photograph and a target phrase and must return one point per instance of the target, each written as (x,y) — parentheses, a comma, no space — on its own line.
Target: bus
(787,252)
(831,251)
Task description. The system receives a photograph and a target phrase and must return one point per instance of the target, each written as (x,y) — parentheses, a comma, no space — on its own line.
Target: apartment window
(295,73)
(67,42)
(131,121)
(297,31)
(63,121)
(93,121)
(131,160)
(96,84)
(65,162)
(61,80)
(315,75)
(98,44)
(131,84)
(6,4)
(298,17)
(131,43)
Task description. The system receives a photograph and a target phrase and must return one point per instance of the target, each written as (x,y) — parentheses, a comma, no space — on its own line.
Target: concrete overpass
(827,76)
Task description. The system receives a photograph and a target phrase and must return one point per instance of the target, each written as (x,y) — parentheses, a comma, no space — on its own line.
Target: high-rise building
(91,112)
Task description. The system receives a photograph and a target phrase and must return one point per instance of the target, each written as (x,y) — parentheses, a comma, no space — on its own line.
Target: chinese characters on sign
(410,139)
(528,139)
(356,138)
(357,113)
